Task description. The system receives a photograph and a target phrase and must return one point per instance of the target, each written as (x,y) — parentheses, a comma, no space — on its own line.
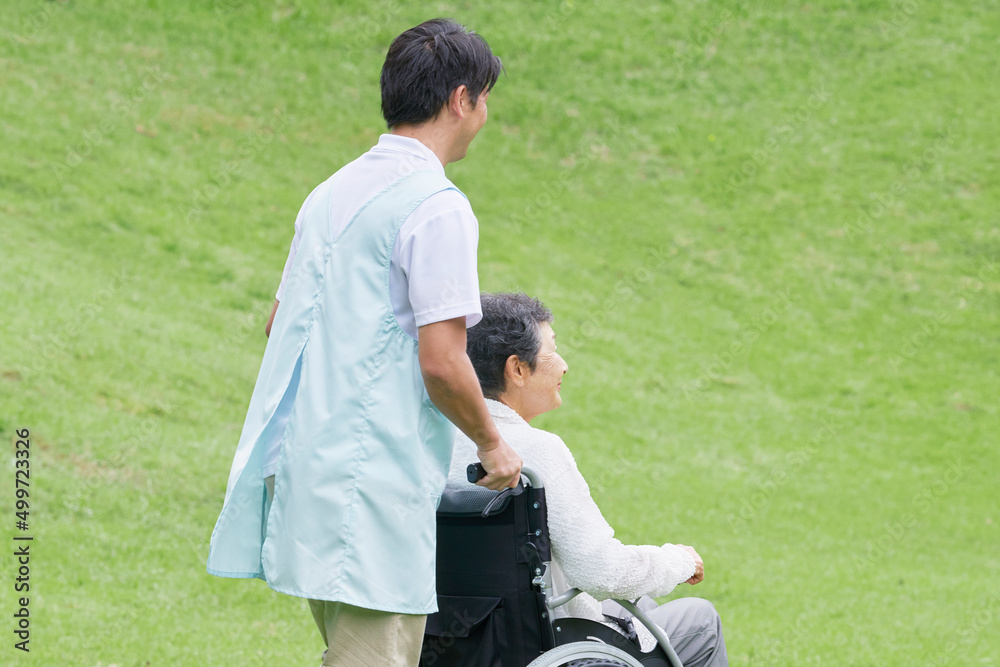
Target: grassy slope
(131,328)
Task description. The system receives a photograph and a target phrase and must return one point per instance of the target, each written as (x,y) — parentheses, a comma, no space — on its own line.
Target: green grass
(765,361)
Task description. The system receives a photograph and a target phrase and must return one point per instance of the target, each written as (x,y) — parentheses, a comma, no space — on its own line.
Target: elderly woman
(513,350)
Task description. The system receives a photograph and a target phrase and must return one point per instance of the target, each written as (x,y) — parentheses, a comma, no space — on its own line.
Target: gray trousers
(692,624)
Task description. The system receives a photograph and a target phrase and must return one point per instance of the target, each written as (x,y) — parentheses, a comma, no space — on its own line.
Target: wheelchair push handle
(475,472)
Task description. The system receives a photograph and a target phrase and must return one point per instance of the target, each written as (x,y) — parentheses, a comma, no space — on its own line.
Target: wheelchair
(495,595)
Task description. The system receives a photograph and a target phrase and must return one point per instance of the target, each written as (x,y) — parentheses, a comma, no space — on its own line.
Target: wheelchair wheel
(585,654)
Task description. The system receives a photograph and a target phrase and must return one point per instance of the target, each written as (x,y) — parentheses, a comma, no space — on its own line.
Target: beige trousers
(357,637)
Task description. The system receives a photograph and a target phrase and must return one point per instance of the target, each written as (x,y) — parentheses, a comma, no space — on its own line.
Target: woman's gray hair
(509,327)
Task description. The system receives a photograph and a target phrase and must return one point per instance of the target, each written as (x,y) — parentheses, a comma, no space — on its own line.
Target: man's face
(475,118)
(479,113)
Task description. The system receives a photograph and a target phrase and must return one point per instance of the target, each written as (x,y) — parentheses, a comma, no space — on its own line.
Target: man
(347,441)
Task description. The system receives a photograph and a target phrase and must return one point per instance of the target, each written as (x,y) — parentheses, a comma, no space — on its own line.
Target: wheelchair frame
(479,523)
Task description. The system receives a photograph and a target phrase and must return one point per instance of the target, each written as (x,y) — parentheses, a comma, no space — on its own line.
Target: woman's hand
(699,566)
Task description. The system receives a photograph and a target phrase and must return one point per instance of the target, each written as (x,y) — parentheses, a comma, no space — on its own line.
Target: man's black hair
(509,327)
(426,63)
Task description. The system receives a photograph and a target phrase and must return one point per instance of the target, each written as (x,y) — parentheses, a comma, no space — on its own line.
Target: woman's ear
(516,371)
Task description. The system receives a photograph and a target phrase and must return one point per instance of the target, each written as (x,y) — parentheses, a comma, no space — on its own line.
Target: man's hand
(502,465)
(699,566)
(270,320)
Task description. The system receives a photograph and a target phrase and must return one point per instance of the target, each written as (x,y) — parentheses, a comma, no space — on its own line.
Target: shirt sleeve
(294,248)
(288,264)
(438,257)
(584,544)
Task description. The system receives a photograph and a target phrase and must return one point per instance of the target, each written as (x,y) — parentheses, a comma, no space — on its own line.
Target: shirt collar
(503,414)
(395,143)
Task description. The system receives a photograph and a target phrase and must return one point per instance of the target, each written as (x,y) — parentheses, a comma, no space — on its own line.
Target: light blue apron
(364,454)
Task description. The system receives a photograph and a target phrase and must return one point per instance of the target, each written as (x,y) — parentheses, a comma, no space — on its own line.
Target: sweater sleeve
(584,544)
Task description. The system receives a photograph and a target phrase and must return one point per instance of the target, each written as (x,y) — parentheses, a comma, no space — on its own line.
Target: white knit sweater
(585,553)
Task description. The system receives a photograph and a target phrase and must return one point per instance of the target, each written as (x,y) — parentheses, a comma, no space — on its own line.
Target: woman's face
(541,388)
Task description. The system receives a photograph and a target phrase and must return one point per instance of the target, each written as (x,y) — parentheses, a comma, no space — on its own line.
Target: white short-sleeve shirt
(432,274)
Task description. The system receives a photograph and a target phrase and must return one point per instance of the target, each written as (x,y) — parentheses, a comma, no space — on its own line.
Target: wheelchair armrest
(560,600)
(654,629)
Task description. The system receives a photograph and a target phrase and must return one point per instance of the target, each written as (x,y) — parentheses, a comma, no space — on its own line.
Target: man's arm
(270,320)
(452,384)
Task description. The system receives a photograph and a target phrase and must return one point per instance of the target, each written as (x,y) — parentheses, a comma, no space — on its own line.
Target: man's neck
(437,138)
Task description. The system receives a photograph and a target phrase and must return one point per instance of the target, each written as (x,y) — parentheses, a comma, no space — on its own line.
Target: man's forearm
(454,389)
(452,384)
(451,381)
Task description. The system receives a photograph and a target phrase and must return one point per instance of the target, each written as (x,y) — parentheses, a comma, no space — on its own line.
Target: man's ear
(515,370)
(457,100)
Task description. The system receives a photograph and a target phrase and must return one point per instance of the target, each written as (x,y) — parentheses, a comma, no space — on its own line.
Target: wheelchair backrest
(490,614)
